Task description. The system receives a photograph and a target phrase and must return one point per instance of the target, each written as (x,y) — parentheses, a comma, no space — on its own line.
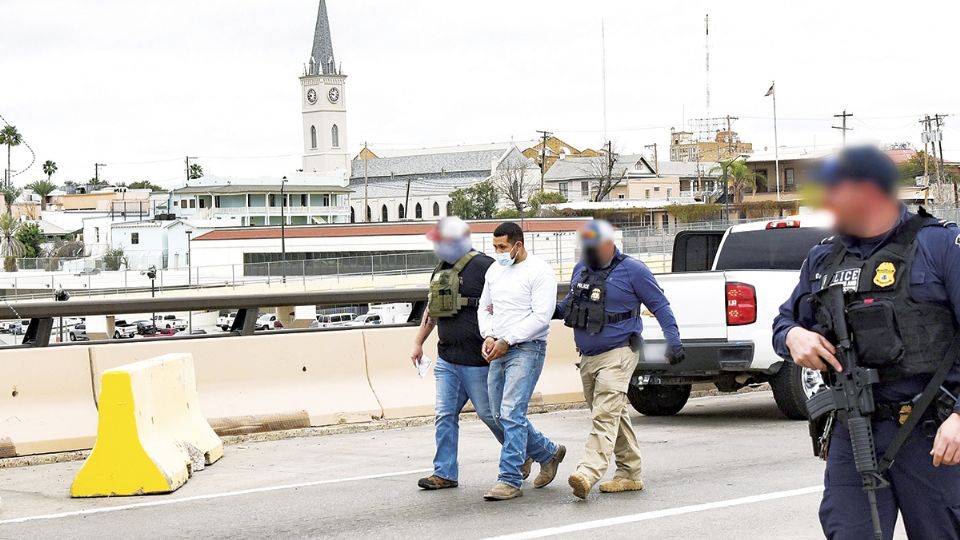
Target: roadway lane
(727,467)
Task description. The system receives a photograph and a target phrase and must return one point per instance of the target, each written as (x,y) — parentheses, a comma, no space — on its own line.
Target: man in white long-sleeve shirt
(518,301)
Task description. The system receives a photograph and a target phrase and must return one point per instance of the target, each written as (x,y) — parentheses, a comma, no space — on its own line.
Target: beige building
(796,167)
(685,146)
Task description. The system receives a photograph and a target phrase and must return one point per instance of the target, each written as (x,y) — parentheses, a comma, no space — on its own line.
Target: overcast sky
(139,84)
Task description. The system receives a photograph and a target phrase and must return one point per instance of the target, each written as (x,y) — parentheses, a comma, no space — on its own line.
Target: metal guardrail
(42,314)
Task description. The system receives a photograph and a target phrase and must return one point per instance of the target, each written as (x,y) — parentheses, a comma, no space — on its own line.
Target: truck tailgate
(698,300)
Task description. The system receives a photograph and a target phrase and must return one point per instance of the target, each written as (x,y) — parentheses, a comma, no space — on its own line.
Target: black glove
(675,354)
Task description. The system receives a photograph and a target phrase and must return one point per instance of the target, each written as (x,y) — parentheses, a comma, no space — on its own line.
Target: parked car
(146,328)
(335,319)
(225,322)
(18,327)
(166,332)
(725,290)
(268,321)
(78,332)
(123,330)
(367,318)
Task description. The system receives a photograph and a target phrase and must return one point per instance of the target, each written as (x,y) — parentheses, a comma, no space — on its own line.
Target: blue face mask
(505,259)
(450,251)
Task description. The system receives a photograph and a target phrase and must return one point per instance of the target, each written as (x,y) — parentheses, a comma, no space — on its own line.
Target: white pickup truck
(725,290)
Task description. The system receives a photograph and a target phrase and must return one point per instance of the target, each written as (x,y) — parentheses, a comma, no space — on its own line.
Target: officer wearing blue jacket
(603,307)
(901,276)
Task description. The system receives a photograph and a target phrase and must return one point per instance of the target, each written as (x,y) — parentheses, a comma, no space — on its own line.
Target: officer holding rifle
(877,308)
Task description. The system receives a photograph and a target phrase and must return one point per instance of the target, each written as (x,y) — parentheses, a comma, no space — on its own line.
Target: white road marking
(181,500)
(656,514)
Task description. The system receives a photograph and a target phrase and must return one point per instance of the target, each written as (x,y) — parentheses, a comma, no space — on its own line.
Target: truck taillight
(784,224)
(741,304)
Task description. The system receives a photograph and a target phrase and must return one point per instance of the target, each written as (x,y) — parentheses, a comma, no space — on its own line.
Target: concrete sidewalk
(700,466)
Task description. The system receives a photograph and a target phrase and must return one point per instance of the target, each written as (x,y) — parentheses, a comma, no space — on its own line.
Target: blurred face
(850,201)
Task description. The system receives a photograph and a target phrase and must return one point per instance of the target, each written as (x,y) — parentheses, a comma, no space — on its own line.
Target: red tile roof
(379,229)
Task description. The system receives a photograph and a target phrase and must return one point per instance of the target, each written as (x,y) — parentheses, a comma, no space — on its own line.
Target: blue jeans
(455,385)
(511,382)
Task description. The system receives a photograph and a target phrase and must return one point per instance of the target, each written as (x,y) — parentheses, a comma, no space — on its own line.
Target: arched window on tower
(335,136)
(383,213)
(400,212)
(418,211)
(313,136)
(436,209)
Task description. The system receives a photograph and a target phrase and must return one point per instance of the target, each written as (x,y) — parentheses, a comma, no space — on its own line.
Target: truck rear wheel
(659,400)
(792,386)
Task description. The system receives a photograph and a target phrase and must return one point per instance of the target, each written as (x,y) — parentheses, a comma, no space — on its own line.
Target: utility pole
(366,201)
(544,135)
(283,231)
(941,169)
(656,162)
(96,172)
(843,124)
(730,120)
(925,121)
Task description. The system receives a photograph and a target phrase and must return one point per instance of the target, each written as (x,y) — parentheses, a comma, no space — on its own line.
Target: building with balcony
(301,200)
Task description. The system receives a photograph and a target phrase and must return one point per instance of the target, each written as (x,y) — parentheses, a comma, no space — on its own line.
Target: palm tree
(10,137)
(10,246)
(49,167)
(10,194)
(196,171)
(42,188)
(738,176)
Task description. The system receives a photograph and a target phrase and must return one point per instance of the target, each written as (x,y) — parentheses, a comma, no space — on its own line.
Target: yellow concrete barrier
(560,380)
(46,401)
(151,434)
(401,392)
(268,382)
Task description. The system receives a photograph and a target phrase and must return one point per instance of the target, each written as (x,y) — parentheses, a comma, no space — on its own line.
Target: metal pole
(776,144)
(189,272)
(283,233)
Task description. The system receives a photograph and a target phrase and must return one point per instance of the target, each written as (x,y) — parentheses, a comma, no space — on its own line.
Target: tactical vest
(891,331)
(445,299)
(587,309)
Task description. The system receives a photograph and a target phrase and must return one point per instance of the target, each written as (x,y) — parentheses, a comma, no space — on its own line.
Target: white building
(300,200)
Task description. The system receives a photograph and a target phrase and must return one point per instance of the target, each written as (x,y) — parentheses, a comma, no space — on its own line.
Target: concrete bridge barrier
(267,382)
(398,387)
(560,380)
(46,401)
(151,435)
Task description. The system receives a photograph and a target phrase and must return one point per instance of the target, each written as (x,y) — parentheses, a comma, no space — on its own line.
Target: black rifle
(850,395)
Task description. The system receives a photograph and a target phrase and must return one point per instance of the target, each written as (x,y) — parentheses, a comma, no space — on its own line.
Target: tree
(10,194)
(541,198)
(738,175)
(43,188)
(10,246)
(145,184)
(10,137)
(913,168)
(196,171)
(97,183)
(515,182)
(49,167)
(114,259)
(30,235)
(478,201)
(607,174)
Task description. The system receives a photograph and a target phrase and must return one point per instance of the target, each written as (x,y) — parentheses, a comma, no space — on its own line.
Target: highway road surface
(727,467)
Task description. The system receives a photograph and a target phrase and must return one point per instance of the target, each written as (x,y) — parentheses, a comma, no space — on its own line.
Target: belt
(613,318)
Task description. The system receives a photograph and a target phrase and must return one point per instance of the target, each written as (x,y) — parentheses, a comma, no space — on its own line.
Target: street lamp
(61,295)
(189,278)
(283,232)
(151,273)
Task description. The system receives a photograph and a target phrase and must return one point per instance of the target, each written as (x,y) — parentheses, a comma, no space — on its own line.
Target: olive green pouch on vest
(445,299)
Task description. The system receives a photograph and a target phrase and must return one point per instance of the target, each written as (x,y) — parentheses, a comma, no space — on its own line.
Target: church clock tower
(323,102)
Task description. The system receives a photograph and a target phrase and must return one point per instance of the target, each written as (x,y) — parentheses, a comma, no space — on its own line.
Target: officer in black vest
(901,275)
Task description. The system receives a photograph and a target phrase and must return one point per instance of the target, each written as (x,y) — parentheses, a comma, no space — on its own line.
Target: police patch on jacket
(849,278)
(886,275)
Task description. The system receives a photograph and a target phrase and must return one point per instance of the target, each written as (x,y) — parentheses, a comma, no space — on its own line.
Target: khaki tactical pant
(606,377)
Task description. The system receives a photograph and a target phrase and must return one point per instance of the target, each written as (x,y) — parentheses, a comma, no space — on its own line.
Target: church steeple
(321,57)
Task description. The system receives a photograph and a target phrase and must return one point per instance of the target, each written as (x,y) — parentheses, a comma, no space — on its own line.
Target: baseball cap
(449,228)
(595,232)
(859,163)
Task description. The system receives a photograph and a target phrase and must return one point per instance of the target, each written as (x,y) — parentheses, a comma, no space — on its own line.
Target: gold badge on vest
(886,275)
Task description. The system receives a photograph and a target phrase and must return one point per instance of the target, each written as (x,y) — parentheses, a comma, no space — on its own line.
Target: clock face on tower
(334,95)
(312,96)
